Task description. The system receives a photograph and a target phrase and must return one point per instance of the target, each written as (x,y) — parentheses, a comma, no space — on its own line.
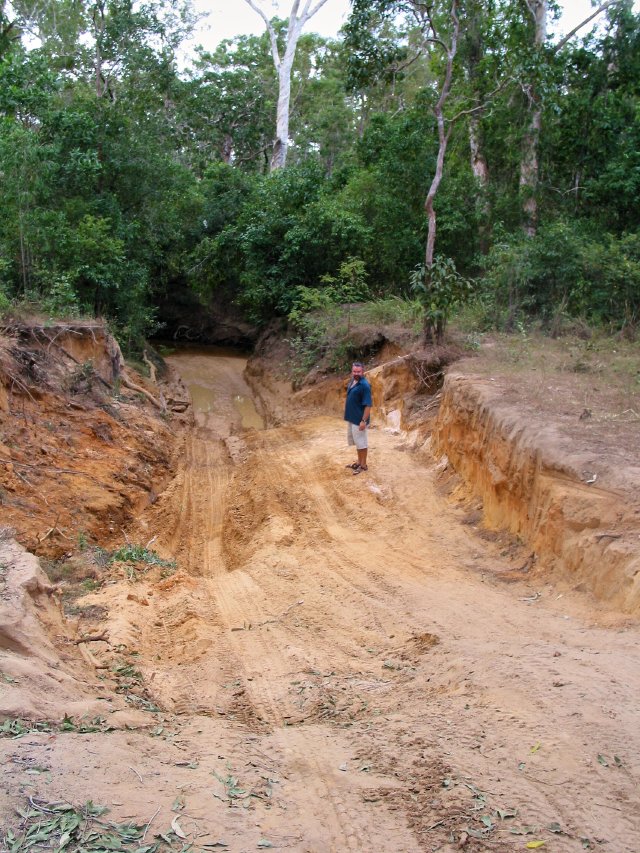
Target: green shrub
(321,315)
(563,272)
(139,554)
(440,289)
(60,300)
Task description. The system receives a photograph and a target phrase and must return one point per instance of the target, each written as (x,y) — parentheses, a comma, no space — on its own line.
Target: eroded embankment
(564,500)
(575,513)
(85,443)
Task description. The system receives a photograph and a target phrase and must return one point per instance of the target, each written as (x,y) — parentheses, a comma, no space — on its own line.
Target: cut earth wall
(580,522)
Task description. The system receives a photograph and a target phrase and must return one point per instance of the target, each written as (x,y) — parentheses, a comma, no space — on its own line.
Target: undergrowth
(332,335)
(140,554)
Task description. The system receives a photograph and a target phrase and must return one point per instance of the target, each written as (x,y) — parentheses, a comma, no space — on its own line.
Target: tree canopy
(126,180)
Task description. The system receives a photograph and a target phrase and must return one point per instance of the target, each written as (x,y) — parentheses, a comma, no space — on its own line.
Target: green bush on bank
(329,332)
(564,270)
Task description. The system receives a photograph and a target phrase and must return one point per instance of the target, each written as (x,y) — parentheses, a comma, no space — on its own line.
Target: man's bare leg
(362,458)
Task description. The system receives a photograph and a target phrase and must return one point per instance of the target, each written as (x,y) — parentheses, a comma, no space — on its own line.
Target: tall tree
(529,163)
(439,26)
(473,50)
(283,63)
(529,167)
(448,43)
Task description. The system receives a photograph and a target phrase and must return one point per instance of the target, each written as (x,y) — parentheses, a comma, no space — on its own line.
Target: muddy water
(222,400)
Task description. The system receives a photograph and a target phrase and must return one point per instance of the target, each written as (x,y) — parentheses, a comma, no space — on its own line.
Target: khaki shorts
(357,436)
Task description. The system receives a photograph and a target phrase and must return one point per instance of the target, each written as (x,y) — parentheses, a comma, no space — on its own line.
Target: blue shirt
(358,397)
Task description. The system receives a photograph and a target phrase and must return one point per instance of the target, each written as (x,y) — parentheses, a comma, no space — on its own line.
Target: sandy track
(349,654)
(364,637)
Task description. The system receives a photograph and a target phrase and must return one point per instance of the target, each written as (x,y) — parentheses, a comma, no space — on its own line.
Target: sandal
(359,469)
(354,466)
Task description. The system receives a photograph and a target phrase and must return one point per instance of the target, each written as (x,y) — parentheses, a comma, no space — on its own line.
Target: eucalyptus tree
(283,57)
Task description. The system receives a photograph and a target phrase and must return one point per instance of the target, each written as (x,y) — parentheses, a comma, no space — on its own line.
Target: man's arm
(365,417)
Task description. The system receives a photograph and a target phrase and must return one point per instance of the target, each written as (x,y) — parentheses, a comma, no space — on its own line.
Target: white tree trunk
(283,65)
(281,141)
(480,170)
(443,137)
(529,165)
(479,165)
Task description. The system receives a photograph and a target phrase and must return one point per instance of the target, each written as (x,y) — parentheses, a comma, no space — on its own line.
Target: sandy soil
(342,665)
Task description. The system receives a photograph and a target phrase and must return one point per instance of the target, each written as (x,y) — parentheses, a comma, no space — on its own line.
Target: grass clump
(139,554)
(133,555)
(408,313)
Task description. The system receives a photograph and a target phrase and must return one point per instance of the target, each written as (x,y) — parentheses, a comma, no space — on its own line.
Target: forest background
(128,182)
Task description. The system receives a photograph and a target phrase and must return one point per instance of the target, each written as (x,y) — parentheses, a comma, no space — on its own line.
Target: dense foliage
(125,180)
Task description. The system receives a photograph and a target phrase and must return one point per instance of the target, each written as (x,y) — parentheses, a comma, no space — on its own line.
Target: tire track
(392,640)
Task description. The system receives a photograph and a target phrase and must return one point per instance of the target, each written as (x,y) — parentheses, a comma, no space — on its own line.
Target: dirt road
(344,666)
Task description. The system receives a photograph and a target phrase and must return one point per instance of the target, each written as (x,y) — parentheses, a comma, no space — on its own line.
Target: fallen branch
(444,820)
(140,390)
(146,829)
(608,806)
(52,530)
(89,658)
(93,638)
(136,772)
(42,808)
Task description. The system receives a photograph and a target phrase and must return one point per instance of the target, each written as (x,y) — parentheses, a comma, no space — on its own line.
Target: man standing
(357,409)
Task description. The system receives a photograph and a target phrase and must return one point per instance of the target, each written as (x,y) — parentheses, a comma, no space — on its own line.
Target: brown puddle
(222,400)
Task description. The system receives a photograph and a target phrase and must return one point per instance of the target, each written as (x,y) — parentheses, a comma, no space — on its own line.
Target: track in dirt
(344,669)
(360,633)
